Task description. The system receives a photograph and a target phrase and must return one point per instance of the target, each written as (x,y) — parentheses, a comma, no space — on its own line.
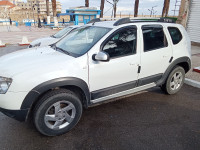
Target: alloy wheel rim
(176,80)
(59,115)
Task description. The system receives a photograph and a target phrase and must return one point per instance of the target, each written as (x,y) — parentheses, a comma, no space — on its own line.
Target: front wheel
(174,81)
(57,113)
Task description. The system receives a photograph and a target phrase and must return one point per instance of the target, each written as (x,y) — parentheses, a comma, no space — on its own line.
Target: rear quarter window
(175,34)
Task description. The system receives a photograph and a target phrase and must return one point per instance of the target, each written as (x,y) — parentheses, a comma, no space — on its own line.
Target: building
(193,21)
(39,6)
(19,10)
(13,1)
(6,4)
(5,8)
(81,14)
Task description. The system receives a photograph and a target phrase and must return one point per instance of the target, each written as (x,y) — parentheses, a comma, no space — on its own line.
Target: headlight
(4,84)
(36,45)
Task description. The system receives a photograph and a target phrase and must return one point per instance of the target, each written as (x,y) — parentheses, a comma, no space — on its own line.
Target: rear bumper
(19,115)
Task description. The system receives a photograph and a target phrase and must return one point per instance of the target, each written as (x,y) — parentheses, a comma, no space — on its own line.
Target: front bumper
(19,115)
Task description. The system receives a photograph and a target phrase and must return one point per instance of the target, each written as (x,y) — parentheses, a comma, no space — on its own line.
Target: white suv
(92,64)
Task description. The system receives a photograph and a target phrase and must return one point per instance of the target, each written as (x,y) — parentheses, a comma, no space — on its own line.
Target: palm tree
(102,8)
(48,14)
(54,12)
(136,8)
(165,8)
(86,3)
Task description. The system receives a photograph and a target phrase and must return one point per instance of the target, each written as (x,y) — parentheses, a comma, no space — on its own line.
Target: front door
(120,73)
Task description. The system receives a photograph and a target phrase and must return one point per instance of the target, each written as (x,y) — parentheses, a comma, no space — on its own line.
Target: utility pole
(136,8)
(165,8)
(102,8)
(48,13)
(54,13)
(86,3)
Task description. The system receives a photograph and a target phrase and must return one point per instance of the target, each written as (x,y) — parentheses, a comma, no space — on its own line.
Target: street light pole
(152,10)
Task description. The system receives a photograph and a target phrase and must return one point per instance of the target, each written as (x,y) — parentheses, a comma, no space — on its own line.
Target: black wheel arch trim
(19,115)
(170,68)
(34,94)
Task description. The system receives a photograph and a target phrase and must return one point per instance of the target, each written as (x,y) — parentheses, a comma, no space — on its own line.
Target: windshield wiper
(62,50)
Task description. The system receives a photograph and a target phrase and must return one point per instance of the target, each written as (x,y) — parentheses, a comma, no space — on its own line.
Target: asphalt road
(150,120)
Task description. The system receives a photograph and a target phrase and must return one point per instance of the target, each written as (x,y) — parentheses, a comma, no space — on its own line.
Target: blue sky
(124,6)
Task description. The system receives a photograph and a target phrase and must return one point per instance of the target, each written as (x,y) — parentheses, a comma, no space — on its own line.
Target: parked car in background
(53,38)
(92,64)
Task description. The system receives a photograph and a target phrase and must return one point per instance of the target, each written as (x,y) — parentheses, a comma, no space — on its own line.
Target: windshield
(62,32)
(82,39)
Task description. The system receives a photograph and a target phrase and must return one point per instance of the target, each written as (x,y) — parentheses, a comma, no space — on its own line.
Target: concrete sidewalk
(195,63)
(15,37)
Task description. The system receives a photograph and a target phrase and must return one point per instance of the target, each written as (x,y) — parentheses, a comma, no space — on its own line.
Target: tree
(102,8)
(48,14)
(136,8)
(86,3)
(165,8)
(54,12)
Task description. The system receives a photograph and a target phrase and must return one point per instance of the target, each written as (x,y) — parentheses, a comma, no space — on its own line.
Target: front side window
(82,39)
(122,43)
(175,34)
(153,37)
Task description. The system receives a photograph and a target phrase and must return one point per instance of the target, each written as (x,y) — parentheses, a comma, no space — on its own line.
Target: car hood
(45,41)
(32,59)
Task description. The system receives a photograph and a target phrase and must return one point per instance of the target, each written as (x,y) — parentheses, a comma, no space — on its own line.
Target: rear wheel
(57,113)
(174,81)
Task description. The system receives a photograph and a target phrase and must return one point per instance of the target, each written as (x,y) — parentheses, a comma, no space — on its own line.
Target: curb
(192,83)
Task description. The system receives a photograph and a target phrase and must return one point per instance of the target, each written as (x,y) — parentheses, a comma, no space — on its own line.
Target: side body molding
(171,66)
(34,94)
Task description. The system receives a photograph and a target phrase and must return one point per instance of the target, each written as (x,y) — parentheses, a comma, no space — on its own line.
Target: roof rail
(122,21)
(133,20)
(169,20)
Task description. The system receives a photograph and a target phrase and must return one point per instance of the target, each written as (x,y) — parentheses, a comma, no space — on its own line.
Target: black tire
(166,86)
(44,105)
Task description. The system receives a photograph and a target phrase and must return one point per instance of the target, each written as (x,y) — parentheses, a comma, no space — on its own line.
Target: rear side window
(154,37)
(175,35)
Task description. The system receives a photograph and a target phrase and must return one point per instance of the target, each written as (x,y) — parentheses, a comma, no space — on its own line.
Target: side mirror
(101,56)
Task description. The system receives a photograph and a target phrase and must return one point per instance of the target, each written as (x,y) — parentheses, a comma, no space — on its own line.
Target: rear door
(156,54)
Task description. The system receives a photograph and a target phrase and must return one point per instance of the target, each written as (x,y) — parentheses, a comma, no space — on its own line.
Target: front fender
(34,94)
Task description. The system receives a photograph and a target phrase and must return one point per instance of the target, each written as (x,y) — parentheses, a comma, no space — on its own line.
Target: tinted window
(175,34)
(122,43)
(154,38)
